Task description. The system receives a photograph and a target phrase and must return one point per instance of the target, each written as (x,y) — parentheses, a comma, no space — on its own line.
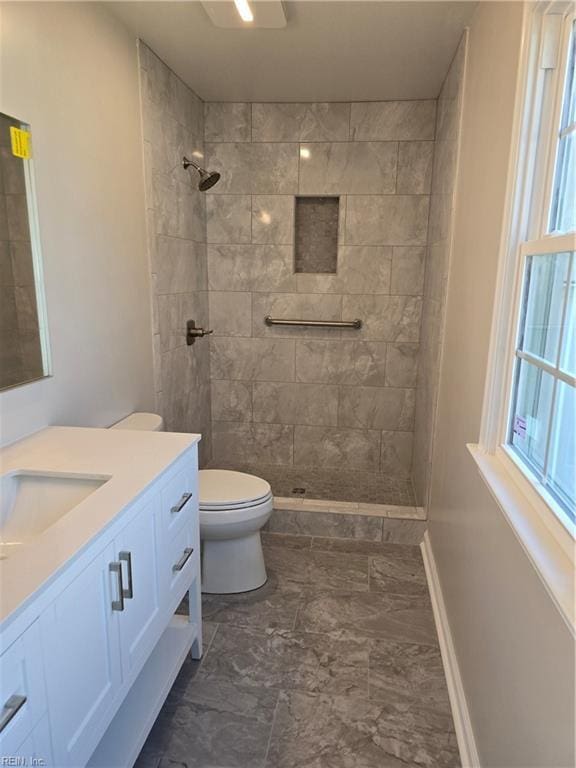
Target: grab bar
(315,323)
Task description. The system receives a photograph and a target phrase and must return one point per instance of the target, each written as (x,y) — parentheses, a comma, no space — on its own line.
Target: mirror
(23,328)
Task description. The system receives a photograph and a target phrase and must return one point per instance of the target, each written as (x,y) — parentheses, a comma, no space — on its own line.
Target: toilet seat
(219,518)
(223,490)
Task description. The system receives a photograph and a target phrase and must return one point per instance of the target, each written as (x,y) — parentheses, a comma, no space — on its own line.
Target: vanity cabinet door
(22,692)
(82,660)
(141,620)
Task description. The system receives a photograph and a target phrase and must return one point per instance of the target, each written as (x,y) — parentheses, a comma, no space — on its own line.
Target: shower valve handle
(193,333)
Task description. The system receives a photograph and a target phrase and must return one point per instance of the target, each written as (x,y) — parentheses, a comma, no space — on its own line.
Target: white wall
(514,651)
(70,70)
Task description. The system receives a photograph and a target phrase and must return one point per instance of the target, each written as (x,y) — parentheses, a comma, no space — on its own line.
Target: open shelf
(126,734)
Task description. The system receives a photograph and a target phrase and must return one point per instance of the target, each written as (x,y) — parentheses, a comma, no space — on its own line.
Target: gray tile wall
(323,398)
(20,349)
(173,126)
(442,203)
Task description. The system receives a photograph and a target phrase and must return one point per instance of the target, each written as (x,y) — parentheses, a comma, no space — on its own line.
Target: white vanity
(99,544)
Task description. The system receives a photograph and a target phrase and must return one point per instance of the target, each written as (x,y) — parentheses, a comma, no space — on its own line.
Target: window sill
(548,545)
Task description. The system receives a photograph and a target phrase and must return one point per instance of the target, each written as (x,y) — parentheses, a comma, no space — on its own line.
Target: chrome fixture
(127,592)
(11,707)
(315,323)
(184,499)
(118,605)
(183,560)
(207,178)
(193,333)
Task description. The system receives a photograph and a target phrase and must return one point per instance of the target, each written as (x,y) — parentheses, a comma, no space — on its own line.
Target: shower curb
(391,511)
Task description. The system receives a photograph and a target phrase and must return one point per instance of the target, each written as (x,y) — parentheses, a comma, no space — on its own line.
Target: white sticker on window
(520,427)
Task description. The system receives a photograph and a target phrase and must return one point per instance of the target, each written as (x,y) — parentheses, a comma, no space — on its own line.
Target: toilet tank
(147,422)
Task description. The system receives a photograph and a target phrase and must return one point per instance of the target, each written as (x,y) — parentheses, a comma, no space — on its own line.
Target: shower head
(207,178)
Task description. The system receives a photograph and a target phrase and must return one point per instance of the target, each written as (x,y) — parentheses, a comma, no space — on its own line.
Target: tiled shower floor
(334,663)
(333,485)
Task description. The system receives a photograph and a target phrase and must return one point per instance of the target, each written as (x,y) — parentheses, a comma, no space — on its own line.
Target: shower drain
(299,491)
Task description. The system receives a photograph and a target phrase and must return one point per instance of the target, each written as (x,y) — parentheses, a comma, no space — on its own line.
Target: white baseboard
(462,723)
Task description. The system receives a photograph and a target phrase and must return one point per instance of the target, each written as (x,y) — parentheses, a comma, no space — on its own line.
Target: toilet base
(230,566)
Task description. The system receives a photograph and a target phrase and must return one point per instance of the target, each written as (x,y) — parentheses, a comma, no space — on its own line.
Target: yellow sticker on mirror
(21,146)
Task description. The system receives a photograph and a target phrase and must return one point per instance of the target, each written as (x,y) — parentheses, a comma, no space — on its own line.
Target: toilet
(234,506)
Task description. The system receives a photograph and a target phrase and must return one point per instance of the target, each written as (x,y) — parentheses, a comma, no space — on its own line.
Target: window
(563,208)
(539,433)
(541,429)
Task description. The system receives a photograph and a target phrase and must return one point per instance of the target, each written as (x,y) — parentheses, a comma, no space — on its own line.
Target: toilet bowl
(233,508)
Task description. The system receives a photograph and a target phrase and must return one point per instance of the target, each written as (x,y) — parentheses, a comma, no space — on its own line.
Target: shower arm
(186,163)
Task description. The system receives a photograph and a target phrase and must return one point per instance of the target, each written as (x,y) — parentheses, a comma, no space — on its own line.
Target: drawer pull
(183,560)
(11,708)
(182,503)
(118,605)
(126,557)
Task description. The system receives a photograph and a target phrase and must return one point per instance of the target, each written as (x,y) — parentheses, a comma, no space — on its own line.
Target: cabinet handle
(11,708)
(126,557)
(182,503)
(183,560)
(118,605)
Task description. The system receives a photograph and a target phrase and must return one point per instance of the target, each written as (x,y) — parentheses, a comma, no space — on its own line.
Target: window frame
(546,93)
(540,524)
(554,131)
(549,244)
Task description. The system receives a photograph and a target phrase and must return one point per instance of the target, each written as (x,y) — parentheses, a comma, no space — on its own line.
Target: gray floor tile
(360,547)
(329,665)
(271,606)
(396,575)
(212,723)
(406,672)
(404,618)
(317,569)
(283,659)
(317,731)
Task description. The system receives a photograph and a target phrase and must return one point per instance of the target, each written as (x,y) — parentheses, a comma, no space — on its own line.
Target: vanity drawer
(22,691)
(179,501)
(180,565)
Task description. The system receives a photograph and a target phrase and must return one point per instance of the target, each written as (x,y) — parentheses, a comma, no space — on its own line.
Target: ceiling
(329,51)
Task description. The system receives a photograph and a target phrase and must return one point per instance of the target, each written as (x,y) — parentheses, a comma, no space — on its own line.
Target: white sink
(30,502)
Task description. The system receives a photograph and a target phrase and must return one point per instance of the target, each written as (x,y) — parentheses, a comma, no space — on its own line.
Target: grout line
(269,744)
(299,140)
(350,138)
(206,650)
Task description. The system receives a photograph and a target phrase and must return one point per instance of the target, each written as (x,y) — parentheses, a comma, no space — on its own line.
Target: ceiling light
(246,14)
(244,10)
(304,152)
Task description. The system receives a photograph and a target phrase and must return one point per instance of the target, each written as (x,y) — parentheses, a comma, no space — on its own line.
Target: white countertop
(132,460)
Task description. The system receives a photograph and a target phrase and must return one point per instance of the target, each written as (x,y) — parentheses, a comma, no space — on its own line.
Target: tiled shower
(332,413)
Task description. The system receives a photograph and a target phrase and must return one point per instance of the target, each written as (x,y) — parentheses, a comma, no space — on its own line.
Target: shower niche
(316,234)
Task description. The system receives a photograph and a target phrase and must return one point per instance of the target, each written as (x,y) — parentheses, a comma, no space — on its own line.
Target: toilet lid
(223,488)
